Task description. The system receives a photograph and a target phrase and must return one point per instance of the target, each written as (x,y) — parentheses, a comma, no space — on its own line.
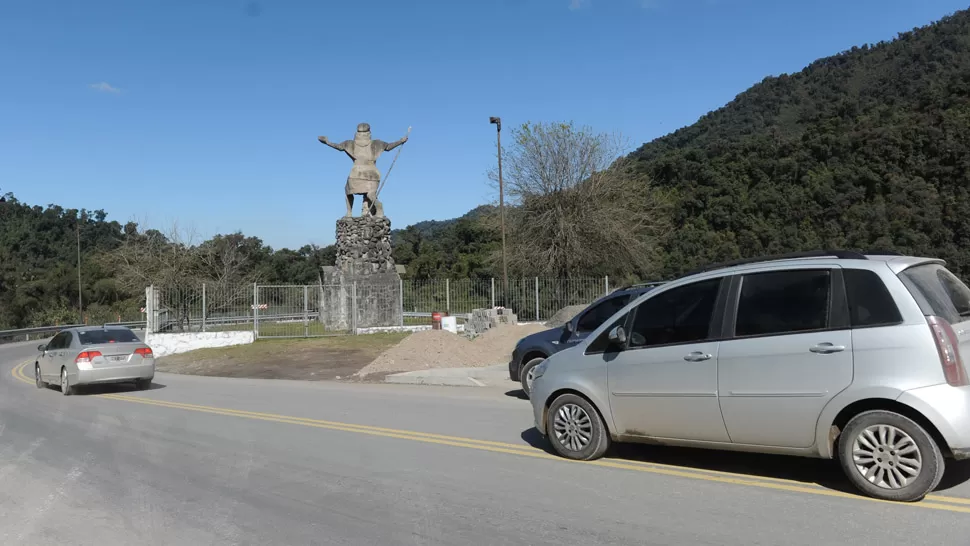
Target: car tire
(890,457)
(575,429)
(37,379)
(143,384)
(524,374)
(67,389)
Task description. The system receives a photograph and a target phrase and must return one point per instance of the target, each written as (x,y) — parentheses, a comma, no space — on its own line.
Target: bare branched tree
(178,268)
(575,209)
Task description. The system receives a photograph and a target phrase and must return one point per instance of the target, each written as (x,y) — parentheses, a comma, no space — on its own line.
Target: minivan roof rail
(639,285)
(840,254)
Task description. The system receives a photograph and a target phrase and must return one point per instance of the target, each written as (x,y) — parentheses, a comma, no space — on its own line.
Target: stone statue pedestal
(363,289)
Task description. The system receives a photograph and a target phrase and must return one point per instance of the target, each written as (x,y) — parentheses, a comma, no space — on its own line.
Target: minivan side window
(780,302)
(596,316)
(870,303)
(680,315)
(602,343)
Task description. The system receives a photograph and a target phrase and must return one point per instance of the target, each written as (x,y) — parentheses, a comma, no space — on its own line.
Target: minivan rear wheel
(575,429)
(890,457)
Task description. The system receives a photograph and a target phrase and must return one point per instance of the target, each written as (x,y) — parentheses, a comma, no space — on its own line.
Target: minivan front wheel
(575,429)
(890,457)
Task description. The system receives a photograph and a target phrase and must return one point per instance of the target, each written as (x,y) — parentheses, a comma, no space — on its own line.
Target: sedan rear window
(114,335)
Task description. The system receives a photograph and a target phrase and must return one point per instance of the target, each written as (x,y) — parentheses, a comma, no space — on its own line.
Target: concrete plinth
(363,289)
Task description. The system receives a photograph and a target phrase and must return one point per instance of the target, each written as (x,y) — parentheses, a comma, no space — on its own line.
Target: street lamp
(501,204)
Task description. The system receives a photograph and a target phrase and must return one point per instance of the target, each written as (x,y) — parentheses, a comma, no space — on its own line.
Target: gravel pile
(442,349)
(564,315)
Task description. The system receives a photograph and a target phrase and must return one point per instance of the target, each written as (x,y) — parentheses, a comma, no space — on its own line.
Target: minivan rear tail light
(145,352)
(87,356)
(949,350)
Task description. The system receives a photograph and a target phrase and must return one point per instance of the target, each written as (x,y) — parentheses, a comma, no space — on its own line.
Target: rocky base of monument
(364,245)
(363,288)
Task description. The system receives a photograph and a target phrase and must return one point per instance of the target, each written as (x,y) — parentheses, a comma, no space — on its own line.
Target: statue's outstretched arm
(392,145)
(337,146)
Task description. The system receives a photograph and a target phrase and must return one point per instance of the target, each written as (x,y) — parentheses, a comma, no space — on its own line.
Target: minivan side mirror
(42,347)
(617,336)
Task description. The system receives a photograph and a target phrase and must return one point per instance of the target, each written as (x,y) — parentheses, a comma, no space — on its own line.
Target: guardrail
(25,334)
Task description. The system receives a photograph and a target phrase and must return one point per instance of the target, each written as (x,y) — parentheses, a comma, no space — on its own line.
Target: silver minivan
(830,354)
(97,354)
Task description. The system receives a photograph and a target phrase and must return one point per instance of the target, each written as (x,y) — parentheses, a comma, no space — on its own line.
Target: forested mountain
(866,149)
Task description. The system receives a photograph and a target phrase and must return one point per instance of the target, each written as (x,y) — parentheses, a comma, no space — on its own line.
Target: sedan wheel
(575,428)
(66,388)
(37,378)
(890,457)
(528,374)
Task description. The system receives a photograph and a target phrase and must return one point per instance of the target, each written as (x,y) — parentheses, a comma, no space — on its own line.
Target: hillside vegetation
(866,149)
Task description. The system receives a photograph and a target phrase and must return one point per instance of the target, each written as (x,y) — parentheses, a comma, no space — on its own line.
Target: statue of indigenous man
(364,177)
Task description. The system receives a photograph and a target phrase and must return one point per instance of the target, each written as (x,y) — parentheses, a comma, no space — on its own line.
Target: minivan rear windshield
(938,292)
(98,337)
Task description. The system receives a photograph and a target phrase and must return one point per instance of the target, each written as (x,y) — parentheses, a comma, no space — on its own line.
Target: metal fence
(300,310)
(531,299)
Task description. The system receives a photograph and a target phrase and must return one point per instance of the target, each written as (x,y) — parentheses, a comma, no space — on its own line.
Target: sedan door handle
(827,348)
(697,356)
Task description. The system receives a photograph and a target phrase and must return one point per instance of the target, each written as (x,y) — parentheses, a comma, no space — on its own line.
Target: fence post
(493,292)
(150,309)
(448,296)
(606,281)
(537,299)
(203,307)
(255,310)
(306,311)
(401,283)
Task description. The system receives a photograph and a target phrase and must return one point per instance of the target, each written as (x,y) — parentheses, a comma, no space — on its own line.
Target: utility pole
(501,206)
(80,307)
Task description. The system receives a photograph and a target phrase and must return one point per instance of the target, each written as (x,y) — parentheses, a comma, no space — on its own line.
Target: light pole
(80,306)
(501,205)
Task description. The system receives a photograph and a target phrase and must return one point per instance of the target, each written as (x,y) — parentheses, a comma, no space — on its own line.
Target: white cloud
(577,4)
(104,87)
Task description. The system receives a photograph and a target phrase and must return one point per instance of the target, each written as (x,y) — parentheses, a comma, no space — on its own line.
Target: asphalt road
(228,461)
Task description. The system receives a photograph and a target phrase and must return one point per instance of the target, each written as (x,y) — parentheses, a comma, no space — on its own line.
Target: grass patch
(302,358)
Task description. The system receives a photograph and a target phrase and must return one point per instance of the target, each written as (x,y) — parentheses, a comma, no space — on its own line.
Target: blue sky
(205,113)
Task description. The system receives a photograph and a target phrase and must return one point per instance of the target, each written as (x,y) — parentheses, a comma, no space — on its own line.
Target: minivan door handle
(697,356)
(827,348)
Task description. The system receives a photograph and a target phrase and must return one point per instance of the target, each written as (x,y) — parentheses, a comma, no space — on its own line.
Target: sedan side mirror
(618,336)
(42,348)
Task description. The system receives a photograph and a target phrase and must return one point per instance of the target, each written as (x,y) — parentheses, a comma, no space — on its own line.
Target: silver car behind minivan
(96,354)
(819,354)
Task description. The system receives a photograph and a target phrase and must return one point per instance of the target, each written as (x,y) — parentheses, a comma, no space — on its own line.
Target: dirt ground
(311,359)
(441,349)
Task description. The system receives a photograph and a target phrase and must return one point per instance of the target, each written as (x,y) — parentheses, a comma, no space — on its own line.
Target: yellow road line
(935,502)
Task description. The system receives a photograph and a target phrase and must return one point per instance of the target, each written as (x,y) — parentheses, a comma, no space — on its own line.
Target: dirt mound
(564,315)
(441,349)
